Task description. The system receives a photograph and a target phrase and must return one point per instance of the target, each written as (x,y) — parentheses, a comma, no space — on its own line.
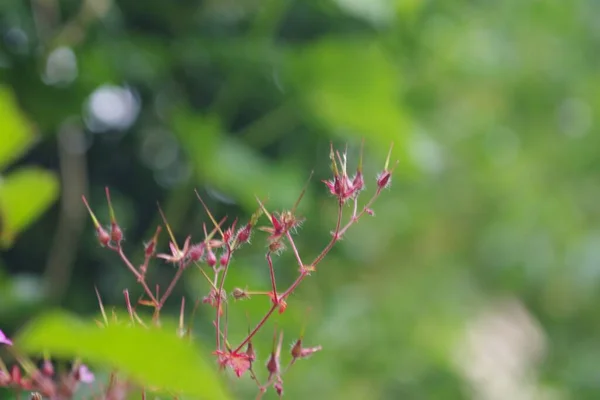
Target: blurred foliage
(478,277)
(27,192)
(154,357)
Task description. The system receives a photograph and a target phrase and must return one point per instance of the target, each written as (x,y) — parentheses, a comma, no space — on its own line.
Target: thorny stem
(167,293)
(294,249)
(141,279)
(256,328)
(226,268)
(272,273)
(335,237)
(337,234)
(355,217)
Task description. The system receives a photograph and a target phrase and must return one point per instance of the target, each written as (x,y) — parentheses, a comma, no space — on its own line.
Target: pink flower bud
(224,259)
(211,258)
(273,365)
(196,251)
(278,386)
(243,235)
(103,236)
(48,368)
(384,180)
(116,234)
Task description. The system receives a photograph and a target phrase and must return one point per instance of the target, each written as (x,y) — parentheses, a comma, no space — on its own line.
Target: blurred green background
(479,276)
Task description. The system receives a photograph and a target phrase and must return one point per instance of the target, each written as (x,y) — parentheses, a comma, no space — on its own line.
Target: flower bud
(47,368)
(250,352)
(240,294)
(116,234)
(384,180)
(273,365)
(224,259)
(103,236)
(211,259)
(243,235)
(278,386)
(297,349)
(196,252)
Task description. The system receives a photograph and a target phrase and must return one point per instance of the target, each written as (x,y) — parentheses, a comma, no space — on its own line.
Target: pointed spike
(387,160)
(264,209)
(102,311)
(111,210)
(181,314)
(302,192)
(162,214)
(255,216)
(215,229)
(278,351)
(334,166)
(94,219)
(214,221)
(360,157)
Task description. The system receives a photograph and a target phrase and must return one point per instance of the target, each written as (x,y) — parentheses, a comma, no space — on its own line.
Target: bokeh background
(478,277)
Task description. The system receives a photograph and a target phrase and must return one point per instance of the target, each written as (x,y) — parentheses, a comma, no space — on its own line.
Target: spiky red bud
(273,365)
(224,259)
(384,180)
(282,306)
(243,235)
(116,234)
(358,183)
(196,252)
(211,258)
(297,349)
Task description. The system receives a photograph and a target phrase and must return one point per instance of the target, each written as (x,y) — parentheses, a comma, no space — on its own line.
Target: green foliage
(17,134)
(152,356)
(24,195)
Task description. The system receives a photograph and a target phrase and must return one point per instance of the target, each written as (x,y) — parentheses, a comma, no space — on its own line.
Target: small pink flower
(84,374)
(176,255)
(5,340)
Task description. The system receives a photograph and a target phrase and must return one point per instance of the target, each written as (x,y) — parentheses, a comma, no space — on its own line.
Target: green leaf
(17,134)
(154,357)
(24,196)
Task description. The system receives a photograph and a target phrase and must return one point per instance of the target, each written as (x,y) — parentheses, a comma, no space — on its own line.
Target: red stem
(294,249)
(272,273)
(141,279)
(333,240)
(167,293)
(226,268)
(256,328)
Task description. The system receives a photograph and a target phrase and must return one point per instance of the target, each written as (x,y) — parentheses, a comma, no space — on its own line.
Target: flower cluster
(42,382)
(212,256)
